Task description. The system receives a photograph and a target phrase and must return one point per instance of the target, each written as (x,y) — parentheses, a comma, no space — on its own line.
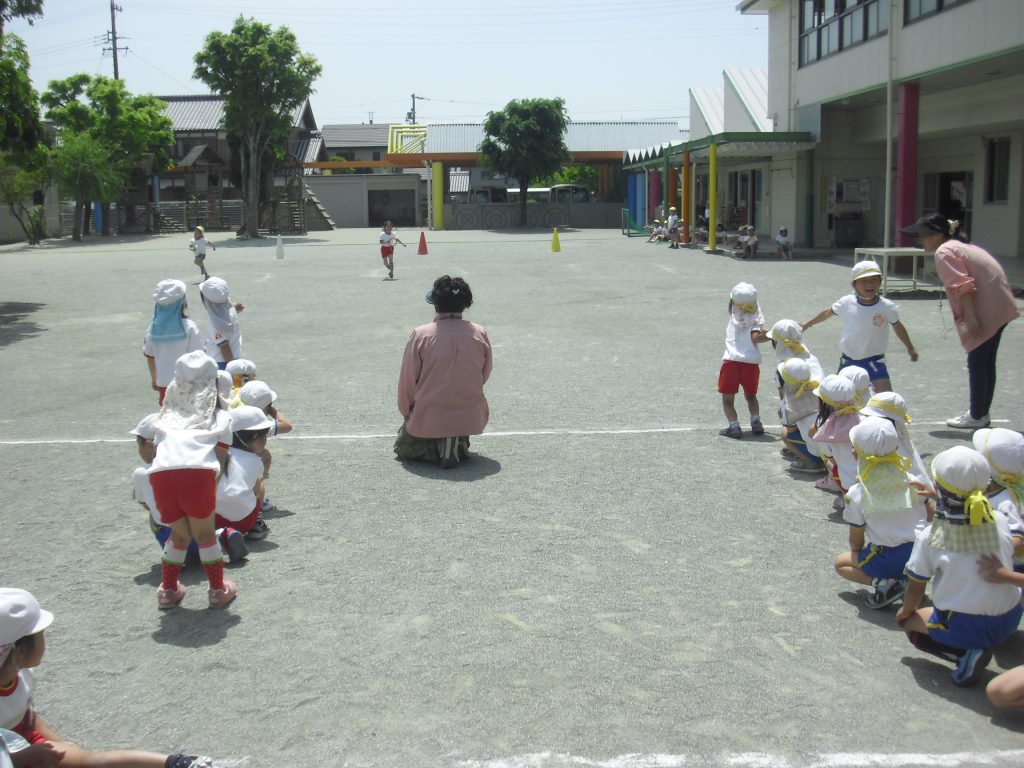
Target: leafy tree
(81,166)
(20,179)
(131,127)
(29,10)
(20,128)
(584,175)
(263,77)
(526,140)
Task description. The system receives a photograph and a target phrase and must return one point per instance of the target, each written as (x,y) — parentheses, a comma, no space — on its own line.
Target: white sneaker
(966,421)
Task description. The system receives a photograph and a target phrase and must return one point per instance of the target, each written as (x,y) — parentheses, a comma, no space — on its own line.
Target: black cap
(930,224)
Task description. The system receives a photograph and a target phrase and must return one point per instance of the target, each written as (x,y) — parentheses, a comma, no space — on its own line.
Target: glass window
(997,170)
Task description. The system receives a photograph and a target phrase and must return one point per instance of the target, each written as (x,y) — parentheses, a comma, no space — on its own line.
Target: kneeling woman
(441,387)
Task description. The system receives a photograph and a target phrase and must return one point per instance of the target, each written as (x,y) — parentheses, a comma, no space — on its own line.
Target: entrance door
(395,205)
(952,195)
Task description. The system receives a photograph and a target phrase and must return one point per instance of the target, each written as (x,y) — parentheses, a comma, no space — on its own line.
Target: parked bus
(560,193)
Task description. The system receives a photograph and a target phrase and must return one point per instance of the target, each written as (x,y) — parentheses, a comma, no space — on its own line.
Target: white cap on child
(961,470)
(743,293)
(786,330)
(1004,451)
(796,368)
(257,393)
(249,417)
(865,269)
(874,437)
(836,389)
(145,428)
(168,291)
(215,289)
(20,616)
(241,367)
(888,405)
(195,366)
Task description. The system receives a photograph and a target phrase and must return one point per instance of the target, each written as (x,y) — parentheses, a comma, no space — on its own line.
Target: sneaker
(189,761)
(168,598)
(220,597)
(811,467)
(233,544)
(969,667)
(756,427)
(887,592)
(839,504)
(966,421)
(828,484)
(733,430)
(259,530)
(391,274)
(268,508)
(448,452)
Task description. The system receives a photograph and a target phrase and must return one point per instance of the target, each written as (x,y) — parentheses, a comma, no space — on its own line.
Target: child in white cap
(798,410)
(22,646)
(867,316)
(837,415)
(884,515)
(783,244)
(241,372)
(750,242)
(260,395)
(192,439)
(787,341)
(240,488)
(198,245)
(170,334)
(971,615)
(224,343)
(673,227)
(741,363)
(861,383)
(892,406)
(1003,449)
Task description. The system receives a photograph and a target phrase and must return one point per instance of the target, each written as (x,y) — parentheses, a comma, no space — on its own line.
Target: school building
(870,113)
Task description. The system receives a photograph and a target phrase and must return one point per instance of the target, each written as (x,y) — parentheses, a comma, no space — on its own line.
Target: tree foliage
(20,179)
(81,167)
(29,10)
(20,128)
(263,78)
(526,140)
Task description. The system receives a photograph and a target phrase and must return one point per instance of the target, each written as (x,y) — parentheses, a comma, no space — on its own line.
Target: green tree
(20,179)
(29,10)
(132,127)
(526,140)
(20,128)
(263,78)
(81,167)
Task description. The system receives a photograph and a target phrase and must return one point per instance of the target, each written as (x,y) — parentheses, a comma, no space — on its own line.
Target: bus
(560,193)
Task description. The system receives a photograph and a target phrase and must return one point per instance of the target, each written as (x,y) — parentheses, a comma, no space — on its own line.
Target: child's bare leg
(77,757)
(753,406)
(846,566)
(881,385)
(918,622)
(201,529)
(729,406)
(1007,690)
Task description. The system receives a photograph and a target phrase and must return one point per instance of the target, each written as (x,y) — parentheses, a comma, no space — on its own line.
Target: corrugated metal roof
(710,100)
(751,85)
(458,181)
(307,150)
(206,112)
(611,136)
(355,135)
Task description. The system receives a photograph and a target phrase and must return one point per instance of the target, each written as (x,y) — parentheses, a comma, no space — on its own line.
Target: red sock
(215,573)
(171,572)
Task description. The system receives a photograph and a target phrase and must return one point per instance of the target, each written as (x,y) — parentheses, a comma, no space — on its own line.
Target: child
(22,646)
(783,245)
(866,320)
(241,371)
(240,488)
(787,341)
(1006,691)
(170,334)
(658,232)
(258,394)
(749,242)
(892,406)
(837,415)
(192,439)
(673,227)
(861,383)
(798,410)
(387,248)
(971,616)
(741,363)
(198,245)
(225,340)
(1003,449)
(883,514)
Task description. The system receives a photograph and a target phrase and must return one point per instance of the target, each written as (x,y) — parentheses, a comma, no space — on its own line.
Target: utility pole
(112,36)
(410,116)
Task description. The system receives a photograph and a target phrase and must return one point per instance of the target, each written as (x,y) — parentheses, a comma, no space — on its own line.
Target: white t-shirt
(672,219)
(865,327)
(191,448)
(389,238)
(886,530)
(143,492)
(167,353)
(956,583)
(1003,503)
(782,239)
(739,344)
(235,496)
(200,245)
(234,341)
(14,705)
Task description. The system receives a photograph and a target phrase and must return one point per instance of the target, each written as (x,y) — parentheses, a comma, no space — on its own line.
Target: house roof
(206,113)
(579,137)
(751,87)
(355,135)
(710,102)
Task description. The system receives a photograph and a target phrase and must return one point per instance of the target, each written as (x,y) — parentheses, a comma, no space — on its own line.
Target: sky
(609,59)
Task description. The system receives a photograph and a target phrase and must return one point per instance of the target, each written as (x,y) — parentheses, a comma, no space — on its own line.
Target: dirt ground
(607,583)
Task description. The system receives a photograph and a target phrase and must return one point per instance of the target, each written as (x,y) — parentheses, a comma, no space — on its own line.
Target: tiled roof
(611,136)
(355,135)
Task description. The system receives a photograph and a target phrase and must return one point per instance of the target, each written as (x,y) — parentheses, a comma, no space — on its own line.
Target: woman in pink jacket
(441,386)
(982,305)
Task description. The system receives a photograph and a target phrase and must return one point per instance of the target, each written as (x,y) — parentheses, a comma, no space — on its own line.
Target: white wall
(345,197)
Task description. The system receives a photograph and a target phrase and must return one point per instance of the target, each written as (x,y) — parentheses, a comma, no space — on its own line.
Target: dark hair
(243,437)
(451,294)
(939,224)
(824,411)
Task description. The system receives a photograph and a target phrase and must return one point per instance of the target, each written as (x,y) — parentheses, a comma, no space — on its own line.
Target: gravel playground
(606,583)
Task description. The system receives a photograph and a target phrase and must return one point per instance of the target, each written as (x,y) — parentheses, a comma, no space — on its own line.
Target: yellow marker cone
(555,245)
(280,248)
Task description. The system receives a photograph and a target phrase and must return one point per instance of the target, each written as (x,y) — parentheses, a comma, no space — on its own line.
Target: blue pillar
(97,218)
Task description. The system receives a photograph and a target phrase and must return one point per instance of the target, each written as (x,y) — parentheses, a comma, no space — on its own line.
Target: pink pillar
(906,162)
(653,194)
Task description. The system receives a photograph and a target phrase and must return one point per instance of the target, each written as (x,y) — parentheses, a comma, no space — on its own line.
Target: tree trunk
(105,227)
(76,226)
(252,228)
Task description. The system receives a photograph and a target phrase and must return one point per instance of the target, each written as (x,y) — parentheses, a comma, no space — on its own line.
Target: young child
(861,383)
(884,515)
(836,417)
(192,439)
(258,394)
(658,233)
(170,334)
(749,242)
(971,615)
(741,363)
(673,227)
(1006,691)
(198,245)
(1003,449)
(225,341)
(892,406)
(787,341)
(22,646)
(241,372)
(387,248)
(867,316)
(798,410)
(240,488)
(783,245)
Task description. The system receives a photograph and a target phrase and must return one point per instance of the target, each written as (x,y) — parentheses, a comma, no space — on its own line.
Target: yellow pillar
(437,183)
(713,197)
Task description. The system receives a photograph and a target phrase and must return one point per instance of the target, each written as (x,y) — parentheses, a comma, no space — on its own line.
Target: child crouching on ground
(837,416)
(741,363)
(787,341)
(798,408)
(22,646)
(892,406)
(257,393)
(1003,449)
(240,488)
(971,616)
(884,514)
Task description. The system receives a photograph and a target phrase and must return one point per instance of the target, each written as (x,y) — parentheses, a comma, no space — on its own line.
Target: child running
(867,316)
(387,248)
(22,646)
(741,363)
(198,245)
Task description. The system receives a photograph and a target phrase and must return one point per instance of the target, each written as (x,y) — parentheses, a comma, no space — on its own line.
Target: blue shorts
(969,630)
(880,562)
(874,365)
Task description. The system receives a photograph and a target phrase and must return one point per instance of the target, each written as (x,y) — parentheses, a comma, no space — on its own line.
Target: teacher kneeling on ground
(441,387)
(982,304)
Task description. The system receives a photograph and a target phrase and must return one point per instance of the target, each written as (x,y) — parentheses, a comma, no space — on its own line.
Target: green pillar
(666,195)
(437,173)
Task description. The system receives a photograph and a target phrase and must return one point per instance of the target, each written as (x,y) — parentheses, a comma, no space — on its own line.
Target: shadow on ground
(13,325)
(475,468)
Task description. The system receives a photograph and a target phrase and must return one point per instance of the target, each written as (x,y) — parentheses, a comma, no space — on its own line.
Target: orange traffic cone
(423,244)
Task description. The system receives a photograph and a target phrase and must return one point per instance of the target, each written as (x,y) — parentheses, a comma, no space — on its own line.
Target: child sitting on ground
(749,242)
(883,513)
(798,408)
(783,245)
(258,394)
(892,406)
(971,616)
(867,316)
(240,487)
(836,417)
(22,645)
(1003,449)
(861,384)
(741,363)
(241,372)
(787,341)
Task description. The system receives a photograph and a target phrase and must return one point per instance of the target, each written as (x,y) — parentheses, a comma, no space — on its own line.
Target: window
(919,9)
(830,26)
(997,170)
(376,155)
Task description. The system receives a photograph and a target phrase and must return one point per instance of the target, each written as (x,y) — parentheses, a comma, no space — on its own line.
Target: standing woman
(982,305)
(441,386)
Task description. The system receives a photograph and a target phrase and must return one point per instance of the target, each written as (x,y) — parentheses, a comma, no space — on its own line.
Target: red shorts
(183,493)
(386,250)
(734,373)
(245,524)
